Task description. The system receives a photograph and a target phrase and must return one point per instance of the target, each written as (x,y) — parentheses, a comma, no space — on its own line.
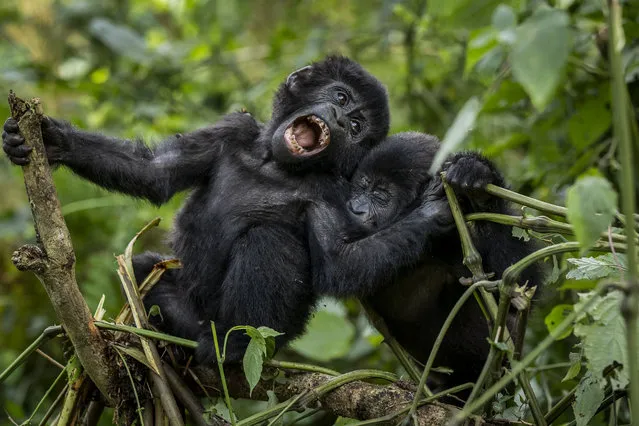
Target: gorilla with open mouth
(242,234)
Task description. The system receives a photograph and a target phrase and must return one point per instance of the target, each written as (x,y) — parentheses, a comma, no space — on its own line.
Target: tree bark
(52,260)
(356,400)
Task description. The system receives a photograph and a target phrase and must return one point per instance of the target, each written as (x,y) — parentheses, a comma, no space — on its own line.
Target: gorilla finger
(20,161)
(20,151)
(12,139)
(11,125)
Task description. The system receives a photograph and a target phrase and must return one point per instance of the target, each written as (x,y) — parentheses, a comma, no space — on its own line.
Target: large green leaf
(592,268)
(603,335)
(588,398)
(591,203)
(328,336)
(540,53)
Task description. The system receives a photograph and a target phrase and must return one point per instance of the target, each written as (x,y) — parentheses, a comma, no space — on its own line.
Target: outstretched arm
(343,266)
(132,167)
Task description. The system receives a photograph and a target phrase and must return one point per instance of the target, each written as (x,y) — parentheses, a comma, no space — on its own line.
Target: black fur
(415,293)
(242,233)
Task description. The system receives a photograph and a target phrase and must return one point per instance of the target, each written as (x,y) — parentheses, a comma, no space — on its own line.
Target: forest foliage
(527,82)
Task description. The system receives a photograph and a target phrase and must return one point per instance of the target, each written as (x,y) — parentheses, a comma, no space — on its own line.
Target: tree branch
(53,260)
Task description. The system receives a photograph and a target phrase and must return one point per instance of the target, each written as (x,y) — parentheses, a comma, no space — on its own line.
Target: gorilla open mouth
(307,135)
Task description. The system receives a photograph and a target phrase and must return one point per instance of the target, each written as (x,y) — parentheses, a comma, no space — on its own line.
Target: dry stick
(52,260)
(157,375)
(188,399)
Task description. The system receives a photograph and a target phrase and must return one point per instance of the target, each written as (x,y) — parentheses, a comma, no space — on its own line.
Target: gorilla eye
(355,127)
(342,98)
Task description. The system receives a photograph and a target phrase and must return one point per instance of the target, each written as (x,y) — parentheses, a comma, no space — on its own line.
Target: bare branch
(53,259)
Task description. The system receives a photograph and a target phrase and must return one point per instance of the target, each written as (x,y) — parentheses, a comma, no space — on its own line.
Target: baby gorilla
(418,294)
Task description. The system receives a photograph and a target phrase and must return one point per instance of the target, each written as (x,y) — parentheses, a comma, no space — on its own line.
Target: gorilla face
(329,113)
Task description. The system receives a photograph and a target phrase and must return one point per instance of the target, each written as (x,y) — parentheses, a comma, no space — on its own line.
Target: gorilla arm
(359,267)
(131,167)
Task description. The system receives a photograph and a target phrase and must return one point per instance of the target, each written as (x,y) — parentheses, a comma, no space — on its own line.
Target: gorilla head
(332,112)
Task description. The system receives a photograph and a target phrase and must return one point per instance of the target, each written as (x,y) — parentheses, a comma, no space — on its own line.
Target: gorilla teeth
(323,139)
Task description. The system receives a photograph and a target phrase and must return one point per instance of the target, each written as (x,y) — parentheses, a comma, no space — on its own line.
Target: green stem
(147,333)
(227,397)
(397,349)
(46,395)
(288,365)
(47,334)
(440,338)
(542,206)
(193,344)
(472,258)
(276,411)
(621,128)
(536,223)
(535,409)
(528,359)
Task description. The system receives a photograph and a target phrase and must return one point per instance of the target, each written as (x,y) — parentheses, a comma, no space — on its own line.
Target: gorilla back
(242,233)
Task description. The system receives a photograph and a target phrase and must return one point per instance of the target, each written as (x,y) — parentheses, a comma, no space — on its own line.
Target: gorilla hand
(54,135)
(470,171)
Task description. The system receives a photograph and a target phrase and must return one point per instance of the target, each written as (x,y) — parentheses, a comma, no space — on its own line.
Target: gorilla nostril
(339,117)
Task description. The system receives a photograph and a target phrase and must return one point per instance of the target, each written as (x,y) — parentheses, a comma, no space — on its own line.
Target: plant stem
(621,127)
(528,359)
(147,333)
(47,334)
(509,195)
(288,365)
(440,337)
(536,223)
(227,397)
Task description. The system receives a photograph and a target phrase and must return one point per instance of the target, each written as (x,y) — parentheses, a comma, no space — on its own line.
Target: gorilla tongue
(306,134)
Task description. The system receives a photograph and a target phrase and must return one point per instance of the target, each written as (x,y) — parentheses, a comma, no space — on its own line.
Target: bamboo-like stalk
(621,127)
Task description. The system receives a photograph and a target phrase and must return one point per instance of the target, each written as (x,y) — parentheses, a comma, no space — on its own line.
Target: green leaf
(589,122)
(121,39)
(481,42)
(540,52)
(603,335)
(328,336)
(575,366)
(252,362)
(268,332)
(520,233)
(591,204)
(555,317)
(593,268)
(588,398)
(457,132)
(504,17)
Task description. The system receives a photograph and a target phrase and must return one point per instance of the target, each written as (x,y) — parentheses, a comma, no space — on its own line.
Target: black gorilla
(242,234)
(416,295)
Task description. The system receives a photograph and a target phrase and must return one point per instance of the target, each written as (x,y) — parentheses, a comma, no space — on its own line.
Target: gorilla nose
(357,208)
(339,117)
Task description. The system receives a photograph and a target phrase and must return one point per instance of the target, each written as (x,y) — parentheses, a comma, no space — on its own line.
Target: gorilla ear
(296,76)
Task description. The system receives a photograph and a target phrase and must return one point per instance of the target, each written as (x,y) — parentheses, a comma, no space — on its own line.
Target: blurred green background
(139,68)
